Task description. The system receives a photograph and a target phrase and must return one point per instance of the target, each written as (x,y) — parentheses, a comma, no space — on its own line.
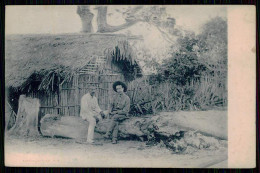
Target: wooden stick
(11,109)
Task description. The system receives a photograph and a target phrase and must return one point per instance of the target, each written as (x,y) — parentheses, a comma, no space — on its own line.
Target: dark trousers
(114,126)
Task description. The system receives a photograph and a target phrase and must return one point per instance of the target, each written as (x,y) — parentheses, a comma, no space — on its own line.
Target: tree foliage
(197,72)
(153,15)
(183,65)
(213,47)
(197,56)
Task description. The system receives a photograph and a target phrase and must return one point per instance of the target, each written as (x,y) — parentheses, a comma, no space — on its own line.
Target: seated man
(91,112)
(119,110)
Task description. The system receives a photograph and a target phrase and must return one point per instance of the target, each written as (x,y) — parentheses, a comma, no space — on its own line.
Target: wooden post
(76,94)
(60,100)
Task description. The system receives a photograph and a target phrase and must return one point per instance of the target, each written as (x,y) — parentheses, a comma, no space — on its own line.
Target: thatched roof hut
(48,60)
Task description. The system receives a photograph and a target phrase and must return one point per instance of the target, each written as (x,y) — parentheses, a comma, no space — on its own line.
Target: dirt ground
(60,152)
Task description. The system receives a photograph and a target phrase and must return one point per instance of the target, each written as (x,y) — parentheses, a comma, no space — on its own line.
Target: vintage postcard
(167,86)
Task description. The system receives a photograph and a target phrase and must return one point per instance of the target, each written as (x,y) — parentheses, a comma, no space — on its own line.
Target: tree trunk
(77,128)
(161,129)
(102,19)
(102,22)
(64,126)
(9,116)
(176,131)
(166,129)
(166,124)
(27,117)
(86,18)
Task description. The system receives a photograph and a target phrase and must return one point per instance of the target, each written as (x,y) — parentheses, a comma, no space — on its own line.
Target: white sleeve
(97,106)
(83,105)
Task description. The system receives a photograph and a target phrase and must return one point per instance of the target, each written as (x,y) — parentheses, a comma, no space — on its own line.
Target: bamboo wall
(67,101)
(49,102)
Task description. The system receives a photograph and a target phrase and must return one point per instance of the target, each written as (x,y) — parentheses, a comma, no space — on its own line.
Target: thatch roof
(38,56)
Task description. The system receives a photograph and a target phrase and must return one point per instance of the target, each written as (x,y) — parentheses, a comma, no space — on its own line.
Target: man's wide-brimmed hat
(119,83)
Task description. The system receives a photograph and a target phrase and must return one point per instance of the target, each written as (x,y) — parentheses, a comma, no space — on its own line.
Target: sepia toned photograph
(116,86)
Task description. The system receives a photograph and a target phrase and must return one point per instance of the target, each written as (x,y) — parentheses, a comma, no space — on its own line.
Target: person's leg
(115,132)
(117,120)
(110,128)
(91,127)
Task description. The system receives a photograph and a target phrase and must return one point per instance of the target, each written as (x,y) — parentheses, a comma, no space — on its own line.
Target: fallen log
(166,128)
(63,126)
(211,123)
(77,128)
(139,127)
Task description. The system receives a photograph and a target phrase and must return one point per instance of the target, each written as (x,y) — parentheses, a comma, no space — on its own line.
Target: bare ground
(60,152)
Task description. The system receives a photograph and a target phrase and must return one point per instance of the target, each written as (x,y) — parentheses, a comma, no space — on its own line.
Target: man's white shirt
(89,107)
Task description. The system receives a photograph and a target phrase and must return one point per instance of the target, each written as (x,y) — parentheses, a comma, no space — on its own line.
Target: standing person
(91,112)
(119,110)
